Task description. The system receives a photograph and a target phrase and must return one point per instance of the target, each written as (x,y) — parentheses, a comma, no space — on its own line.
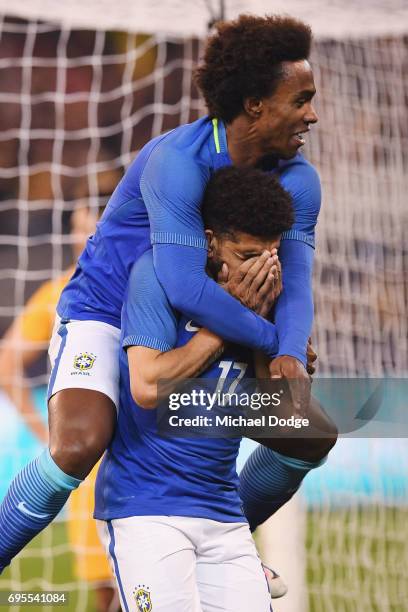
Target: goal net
(82,87)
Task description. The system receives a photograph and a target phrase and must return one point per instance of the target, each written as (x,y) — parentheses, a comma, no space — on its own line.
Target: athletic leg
(81,424)
(275,469)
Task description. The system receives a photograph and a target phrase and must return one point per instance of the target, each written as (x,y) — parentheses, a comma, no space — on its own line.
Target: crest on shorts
(84,361)
(142,598)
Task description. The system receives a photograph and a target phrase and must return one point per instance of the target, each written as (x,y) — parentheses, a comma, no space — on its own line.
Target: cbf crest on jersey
(142,598)
(84,361)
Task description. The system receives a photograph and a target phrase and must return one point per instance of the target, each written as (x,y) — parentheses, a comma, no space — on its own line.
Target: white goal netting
(80,93)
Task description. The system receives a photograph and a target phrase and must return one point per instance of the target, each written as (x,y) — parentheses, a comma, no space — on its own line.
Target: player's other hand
(311,357)
(298,381)
(256,283)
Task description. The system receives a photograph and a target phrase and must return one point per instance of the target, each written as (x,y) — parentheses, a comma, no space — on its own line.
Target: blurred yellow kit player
(24,342)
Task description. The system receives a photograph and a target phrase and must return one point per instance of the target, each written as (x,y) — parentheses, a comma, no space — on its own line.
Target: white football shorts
(184,564)
(85,355)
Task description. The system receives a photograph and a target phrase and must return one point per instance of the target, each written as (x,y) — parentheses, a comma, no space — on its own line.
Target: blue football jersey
(158,203)
(143,473)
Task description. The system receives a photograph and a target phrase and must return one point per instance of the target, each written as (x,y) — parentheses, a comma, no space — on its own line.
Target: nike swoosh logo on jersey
(21,506)
(191,328)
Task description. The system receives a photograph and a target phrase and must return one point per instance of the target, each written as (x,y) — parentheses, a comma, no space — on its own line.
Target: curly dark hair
(244,59)
(246,200)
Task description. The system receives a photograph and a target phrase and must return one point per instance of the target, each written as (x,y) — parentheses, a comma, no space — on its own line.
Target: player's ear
(253,107)
(211,242)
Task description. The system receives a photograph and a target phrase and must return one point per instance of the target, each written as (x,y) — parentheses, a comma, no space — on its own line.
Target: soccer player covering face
(258,87)
(171,516)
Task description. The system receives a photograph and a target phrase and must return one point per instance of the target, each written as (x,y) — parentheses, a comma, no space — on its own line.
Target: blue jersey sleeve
(294,309)
(172,185)
(302,181)
(172,188)
(147,316)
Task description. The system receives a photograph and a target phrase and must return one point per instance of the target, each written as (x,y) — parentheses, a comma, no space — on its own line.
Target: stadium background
(80,92)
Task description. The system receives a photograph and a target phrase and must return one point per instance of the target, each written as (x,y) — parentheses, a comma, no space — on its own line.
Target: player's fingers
(271,289)
(311,357)
(258,268)
(274,286)
(223,274)
(310,369)
(268,286)
(243,269)
(259,265)
(266,295)
(261,275)
(311,353)
(239,273)
(256,277)
(275,369)
(279,277)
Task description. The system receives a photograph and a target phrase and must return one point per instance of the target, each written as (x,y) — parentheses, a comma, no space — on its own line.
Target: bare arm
(16,354)
(148,366)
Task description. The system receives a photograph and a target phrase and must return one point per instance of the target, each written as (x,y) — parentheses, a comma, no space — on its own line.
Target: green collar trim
(216,135)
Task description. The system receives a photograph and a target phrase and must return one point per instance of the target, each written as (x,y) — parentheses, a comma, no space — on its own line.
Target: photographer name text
(238,421)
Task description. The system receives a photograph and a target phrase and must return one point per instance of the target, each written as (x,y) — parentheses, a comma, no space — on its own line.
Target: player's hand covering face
(248,268)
